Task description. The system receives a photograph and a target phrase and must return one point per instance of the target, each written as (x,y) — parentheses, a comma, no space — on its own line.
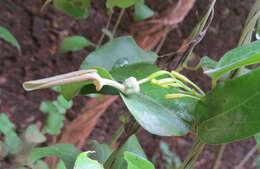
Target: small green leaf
(132,145)
(33,134)
(84,162)
(67,152)
(230,112)
(40,165)
(75,43)
(61,165)
(136,162)
(54,123)
(74,8)
(257,138)
(142,11)
(64,103)
(118,53)
(13,142)
(102,152)
(236,58)
(119,3)
(7,36)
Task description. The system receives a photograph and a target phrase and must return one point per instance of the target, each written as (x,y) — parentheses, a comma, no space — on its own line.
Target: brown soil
(41,33)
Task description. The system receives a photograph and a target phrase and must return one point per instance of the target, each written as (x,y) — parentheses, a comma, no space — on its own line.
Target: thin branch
(247,157)
(118,21)
(103,33)
(219,156)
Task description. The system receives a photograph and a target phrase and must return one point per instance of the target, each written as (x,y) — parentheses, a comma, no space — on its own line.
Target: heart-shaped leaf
(33,134)
(118,53)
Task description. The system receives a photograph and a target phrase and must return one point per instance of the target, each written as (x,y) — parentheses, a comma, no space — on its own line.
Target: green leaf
(142,11)
(13,142)
(61,165)
(84,162)
(257,138)
(230,111)
(236,58)
(8,37)
(40,165)
(54,123)
(108,33)
(102,152)
(118,53)
(67,152)
(136,162)
(64,103)
(71,90)
(119,3)
(74,8)
(75,43)
(150,108)
(132,145)
(33,134)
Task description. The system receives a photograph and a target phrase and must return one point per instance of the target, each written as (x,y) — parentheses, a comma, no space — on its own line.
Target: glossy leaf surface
(136,162)
(84,162)
(8,37)
(75,43)
(67,152)
(118,53)
(150,108)
(230,111)
(236,58)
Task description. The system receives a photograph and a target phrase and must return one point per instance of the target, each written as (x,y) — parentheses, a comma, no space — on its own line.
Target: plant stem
(107,27)
(219,156)
(118,21)
(189,161)
(116,136)
(53,162)
(247,157)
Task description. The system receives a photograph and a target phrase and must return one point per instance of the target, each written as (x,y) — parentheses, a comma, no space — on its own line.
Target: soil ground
(40,34)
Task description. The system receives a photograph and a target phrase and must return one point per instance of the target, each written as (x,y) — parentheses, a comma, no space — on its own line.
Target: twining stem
(219,156)
(247,157)
(106,27)
(118,21)
(189,161)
